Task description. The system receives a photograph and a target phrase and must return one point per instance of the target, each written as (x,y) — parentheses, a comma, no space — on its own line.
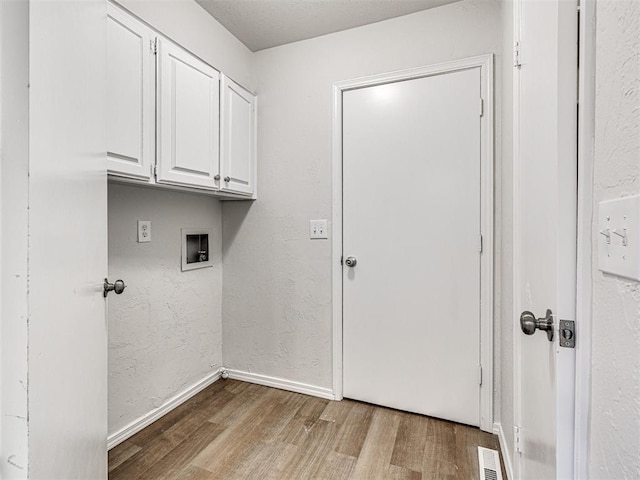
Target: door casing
(485,63)
(586,127)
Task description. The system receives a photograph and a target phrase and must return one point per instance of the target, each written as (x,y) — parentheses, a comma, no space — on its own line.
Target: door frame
(485,63)
(586,135)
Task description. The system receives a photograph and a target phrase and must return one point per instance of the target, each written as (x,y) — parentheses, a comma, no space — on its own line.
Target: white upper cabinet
(172,118)
(130,96)
(188,119)
(238,145)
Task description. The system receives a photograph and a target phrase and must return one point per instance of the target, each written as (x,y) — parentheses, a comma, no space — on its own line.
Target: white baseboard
(147,419)
(505,450)
(282,384)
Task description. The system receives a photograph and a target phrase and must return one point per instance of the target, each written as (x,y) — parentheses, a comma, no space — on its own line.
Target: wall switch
(318,229)
(144,231)
(618,237)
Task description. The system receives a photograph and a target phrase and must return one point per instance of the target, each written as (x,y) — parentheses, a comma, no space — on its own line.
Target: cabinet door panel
(188,118)
(238,139)
(130,95)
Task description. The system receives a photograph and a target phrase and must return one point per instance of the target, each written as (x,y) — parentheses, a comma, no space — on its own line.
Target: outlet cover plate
(144,231)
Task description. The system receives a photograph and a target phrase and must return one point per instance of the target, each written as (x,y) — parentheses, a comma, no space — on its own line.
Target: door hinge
(341,260)
(481,107)
(154,170)
(516,55)
(479,374)
(517,441)
(153,46)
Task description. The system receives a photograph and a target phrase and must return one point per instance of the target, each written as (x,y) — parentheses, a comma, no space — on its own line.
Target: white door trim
(516,300)
(485,63)
(586,127)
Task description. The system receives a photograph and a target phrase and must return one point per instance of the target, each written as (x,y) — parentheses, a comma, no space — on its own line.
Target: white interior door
(411,219)
(67,391)
(545,193)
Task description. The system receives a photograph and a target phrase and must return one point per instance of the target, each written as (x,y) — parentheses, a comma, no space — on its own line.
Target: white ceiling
(261,24)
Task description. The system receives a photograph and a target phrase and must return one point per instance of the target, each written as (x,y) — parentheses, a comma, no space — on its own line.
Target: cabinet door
(188,119)
(130,95)
(238,146)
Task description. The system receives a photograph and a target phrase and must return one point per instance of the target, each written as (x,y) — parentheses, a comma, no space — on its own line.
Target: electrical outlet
(144,231)
(318,229)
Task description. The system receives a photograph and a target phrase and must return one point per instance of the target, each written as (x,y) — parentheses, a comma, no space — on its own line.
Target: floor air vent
(489,461)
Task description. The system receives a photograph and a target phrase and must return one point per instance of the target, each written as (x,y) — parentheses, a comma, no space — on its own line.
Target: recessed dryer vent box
(196,251)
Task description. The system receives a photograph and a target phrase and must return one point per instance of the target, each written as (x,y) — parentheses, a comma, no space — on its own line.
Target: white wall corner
(504,449)
(147,419)
(282,384)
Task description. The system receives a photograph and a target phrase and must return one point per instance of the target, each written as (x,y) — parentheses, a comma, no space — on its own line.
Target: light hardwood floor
(237,430)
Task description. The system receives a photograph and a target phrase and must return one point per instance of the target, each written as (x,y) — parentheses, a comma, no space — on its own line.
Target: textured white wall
(188,24)
(165,330)
(277,285)
(615,408)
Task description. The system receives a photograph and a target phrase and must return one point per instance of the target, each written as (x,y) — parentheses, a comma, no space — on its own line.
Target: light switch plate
(144,231)
(318,229)
(618,239)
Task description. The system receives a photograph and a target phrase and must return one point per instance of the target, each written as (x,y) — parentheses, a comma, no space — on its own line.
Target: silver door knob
(118,287)
(216,178)
(529,323)
(227,179)
(351,262)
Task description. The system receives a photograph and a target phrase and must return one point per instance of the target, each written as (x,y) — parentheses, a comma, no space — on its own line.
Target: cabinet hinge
(516,55)
(517,440)
(479,374)
(341,260)
(154,170)
(480,244)
(481,107)
(153,46)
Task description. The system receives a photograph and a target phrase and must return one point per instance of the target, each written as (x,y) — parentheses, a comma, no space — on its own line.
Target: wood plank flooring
(236,430)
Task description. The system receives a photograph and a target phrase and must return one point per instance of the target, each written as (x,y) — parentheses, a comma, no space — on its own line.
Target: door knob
(118,287)
(227,179)
(351,262)
(529,323)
